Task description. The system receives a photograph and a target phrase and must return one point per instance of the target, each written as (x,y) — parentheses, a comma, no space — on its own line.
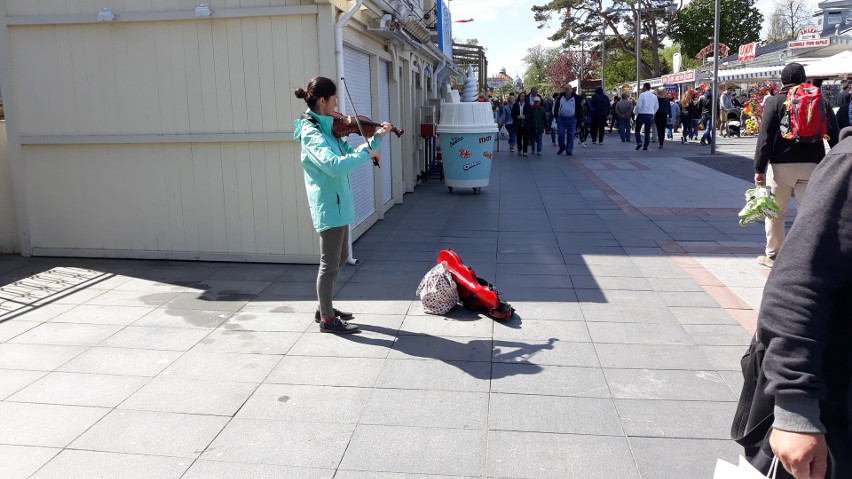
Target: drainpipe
(338,56)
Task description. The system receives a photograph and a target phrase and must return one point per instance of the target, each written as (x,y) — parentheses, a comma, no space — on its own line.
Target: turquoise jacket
(327,162)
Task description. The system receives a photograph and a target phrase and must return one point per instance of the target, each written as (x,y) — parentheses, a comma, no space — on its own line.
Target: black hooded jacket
(600,104)
(771,147)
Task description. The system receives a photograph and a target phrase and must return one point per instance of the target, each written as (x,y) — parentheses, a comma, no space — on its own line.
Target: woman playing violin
(327,162)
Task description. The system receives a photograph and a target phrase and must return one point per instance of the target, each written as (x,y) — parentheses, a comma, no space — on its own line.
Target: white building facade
(160,134)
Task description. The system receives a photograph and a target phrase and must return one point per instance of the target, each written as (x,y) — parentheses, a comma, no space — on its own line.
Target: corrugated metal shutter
(384,115)
(356,67)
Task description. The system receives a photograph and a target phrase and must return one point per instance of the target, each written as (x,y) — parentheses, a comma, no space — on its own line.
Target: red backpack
(804,119)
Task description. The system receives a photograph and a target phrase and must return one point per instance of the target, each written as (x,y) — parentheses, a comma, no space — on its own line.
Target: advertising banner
(445,29)
(682,77)
(747,51)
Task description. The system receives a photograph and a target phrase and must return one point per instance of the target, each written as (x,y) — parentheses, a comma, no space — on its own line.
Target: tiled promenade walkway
(634,288)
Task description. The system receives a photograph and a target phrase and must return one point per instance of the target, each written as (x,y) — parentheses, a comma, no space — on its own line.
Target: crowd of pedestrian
(569,117)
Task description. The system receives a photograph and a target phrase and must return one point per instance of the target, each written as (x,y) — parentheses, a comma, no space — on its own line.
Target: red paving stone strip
(613,195)
(640,166)
(727,299)
(713,286)
(657,212)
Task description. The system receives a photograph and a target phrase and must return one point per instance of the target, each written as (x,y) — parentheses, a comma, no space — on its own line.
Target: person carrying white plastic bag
(743,470)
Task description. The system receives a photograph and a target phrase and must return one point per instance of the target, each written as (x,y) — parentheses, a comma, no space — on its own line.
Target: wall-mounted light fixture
(203,10)
(106,15)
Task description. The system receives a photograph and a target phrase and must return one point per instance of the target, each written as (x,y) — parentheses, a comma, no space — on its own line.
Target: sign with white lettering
(819,42)
(682,77)
(747,51)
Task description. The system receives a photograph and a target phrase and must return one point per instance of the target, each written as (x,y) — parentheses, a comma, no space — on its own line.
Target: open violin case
(475,293)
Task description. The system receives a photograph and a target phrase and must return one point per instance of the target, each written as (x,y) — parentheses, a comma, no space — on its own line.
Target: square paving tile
(443,348)
(635,333)
(516,328)
(419,408)
(133,298)
(687,298)
(537,455)
(327,371)
(734,380)
(201,302)
(80,389)
(435,375)
(690,315)
(550,352)
(213,366)
(400,449)
(36,357)
(166,339)
(183,318)
(13,380)
(724,358)
(718,334)
(235,470)
(68,334)
(618,313)
(564,415)
(651,356)
(251,342)
(189,396)
(10,329)
(318,445)
(554,310)
(19,462)
(667,384)
(550,380)
(362,345)
(100,314)
(679,419)
(70,464)
(121,361)
(695,457)
(26,424)
(269,321)
(469,325)
(306,403)
(142,432)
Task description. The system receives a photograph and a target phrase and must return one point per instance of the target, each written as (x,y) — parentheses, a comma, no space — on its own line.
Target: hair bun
(300,93)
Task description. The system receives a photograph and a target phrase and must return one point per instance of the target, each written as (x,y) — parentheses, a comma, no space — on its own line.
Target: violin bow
(357,120)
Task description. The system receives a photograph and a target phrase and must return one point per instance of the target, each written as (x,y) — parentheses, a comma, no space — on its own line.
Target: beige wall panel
(242,198)
(9,240)
(211,76)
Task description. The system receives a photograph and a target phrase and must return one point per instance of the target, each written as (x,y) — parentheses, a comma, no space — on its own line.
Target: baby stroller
(734,121)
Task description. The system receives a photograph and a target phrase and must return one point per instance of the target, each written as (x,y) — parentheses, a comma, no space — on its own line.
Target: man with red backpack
(796,120)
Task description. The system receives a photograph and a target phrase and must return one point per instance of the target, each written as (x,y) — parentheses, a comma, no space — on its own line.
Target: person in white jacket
(645,109)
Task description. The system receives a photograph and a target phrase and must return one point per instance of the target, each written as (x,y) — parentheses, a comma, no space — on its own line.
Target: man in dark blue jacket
(600,111)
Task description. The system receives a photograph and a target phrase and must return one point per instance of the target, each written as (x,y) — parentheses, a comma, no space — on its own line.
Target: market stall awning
(834,66)
(750,74)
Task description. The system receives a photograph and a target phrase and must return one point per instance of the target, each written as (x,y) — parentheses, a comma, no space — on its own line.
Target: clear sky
(506,28)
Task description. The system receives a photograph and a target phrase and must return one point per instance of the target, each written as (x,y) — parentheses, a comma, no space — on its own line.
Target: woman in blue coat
(327,161)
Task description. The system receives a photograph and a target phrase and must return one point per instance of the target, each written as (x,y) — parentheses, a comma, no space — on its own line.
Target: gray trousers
(334,251)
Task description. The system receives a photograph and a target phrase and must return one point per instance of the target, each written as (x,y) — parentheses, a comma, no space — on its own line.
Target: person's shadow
(463,355)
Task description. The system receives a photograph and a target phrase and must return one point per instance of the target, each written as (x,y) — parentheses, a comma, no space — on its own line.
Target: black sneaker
(638,146)
(339,327)
(338,313)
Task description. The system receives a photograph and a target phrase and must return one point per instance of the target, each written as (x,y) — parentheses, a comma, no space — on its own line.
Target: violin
(345,125)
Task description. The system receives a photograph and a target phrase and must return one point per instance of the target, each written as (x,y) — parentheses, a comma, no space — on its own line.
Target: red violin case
(475,293)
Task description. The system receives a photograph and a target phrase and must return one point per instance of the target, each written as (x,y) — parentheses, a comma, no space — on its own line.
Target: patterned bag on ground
(437,291)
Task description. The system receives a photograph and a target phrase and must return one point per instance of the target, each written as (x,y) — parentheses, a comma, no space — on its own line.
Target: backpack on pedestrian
(804,120)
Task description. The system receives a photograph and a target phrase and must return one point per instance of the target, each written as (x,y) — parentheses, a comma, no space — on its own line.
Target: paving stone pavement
(635,292)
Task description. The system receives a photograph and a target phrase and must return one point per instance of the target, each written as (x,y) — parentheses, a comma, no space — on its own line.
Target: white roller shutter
(356,67)
(384,115)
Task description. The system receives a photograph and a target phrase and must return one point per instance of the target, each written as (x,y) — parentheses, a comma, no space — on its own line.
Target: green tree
(578,17)
(539,61)
(692,27)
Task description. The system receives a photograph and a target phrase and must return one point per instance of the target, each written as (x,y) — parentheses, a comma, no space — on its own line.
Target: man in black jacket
(600,111)
(785,165)
(805,324)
